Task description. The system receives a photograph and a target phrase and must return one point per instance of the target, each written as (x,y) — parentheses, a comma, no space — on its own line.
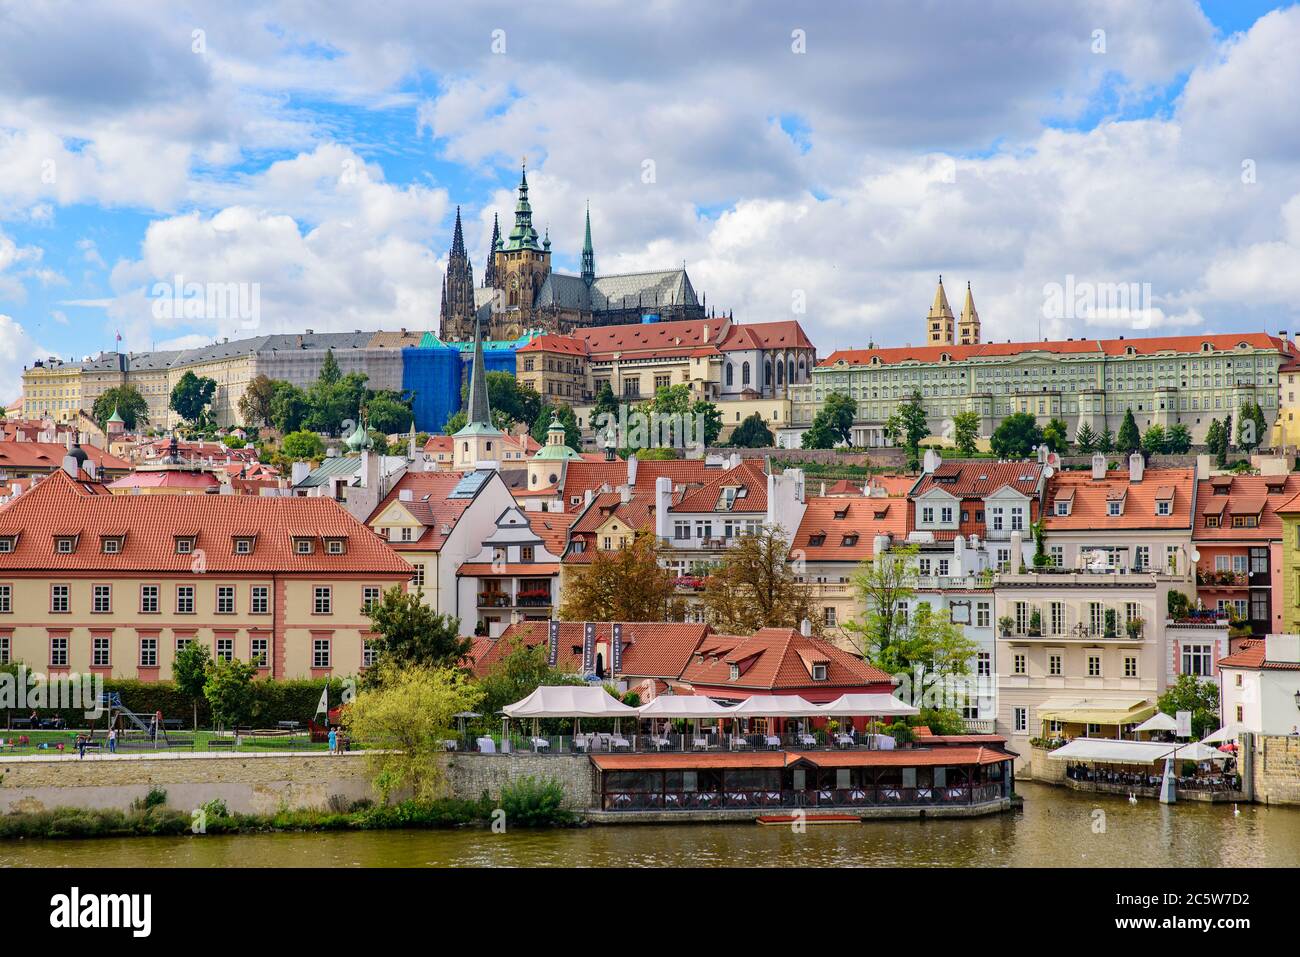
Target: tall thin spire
(523,236)
(968,327)
(479,412)
(458,237)
(490,272)
(588,253)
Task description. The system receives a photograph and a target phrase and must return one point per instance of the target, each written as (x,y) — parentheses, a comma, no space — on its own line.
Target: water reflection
(1057,828)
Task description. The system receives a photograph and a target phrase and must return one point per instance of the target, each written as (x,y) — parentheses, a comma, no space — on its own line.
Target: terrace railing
(819,798)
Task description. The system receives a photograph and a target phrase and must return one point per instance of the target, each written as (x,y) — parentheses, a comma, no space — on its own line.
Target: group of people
(1133,779)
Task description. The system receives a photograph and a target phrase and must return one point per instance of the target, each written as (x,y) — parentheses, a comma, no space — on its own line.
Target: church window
(730,374)
(744,373)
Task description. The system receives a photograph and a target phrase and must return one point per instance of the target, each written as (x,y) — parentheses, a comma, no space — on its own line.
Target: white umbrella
(1158,722)
(868,706)
(1198,751)
(1229,732)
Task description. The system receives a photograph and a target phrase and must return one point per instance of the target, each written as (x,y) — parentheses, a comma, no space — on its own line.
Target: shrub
(901,733)
(529,802)
(157,797)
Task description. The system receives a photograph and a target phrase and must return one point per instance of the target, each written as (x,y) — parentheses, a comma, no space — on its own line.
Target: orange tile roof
(864,517)
(1086,347)
(783,334)
(569,345)
(770,660)
(980,479)
(1251,656)
(429,505)
(657,339)
(650,649)
(170,478)
(748,474)
(635,514)
(1089,511)
(151,523)
(552,528)
(581,475)
(50,455)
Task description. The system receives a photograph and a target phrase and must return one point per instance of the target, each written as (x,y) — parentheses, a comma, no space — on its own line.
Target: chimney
(404,495)
(1282,648)
(70,466)
(631,469)
(299,471)
(1135,466)
(931,461)
(880,545)
(1042,455)
(805,628)
(1098,466)
(734,460)
(625,494)
(663,503)
(587,498)
(91,470)
(1017,551)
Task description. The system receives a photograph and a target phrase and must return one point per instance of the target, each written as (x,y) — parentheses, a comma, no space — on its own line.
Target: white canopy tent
(684,706)
(868,706)
(569,701)
(1158,722)
(1199,752)
(1110,751)
(775,706)
(1229,732)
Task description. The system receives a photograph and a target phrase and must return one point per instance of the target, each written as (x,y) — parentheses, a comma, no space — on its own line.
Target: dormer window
(734,672)
(842,513)
(65,544)
(819,672)
(1062,507)
(850,539)
(184,545)
(817,539)
(8,543)
(111,545)
(243,546)
(1114,508)
(335,546)
(1164,508)
(303,546)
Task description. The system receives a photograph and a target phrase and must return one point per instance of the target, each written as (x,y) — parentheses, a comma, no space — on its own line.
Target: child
(112,740)
(334,740)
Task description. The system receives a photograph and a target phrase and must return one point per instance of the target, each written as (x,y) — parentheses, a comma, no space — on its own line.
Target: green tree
(568,418)
(623,584)
(1251,426)
(190,673)
(965,432)
(833,423)
(819,435)
(1056,436)
(302,446)
(457,421)
(409,632)
(752,433)
(330,373)
(521,671)
(388,412)
(1225,442)
(127,401)
(1178,440)
(1155,441)
(884,583)
(1086,439)
(710,417)
(1106,441)
(907,427)
(332,403)
(288,407)
(754,586)
(255,403)
(1201,698)
(229,690)
(1016,437)
(605,403)
(192,395)
(410,710)
(1129,440)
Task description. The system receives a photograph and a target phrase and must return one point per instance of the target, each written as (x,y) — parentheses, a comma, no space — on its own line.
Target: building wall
(1276,768)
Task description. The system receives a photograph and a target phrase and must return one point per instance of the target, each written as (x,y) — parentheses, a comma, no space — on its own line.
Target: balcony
(1222,580)
(954,582)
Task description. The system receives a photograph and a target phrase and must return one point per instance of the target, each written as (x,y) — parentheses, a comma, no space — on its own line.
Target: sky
(823,162)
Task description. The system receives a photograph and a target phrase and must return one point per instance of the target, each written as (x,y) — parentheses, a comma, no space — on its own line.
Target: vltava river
(1057,828)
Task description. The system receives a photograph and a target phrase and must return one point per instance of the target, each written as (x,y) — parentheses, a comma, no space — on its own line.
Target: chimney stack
(805,628)
(1098,466)
(1136,464)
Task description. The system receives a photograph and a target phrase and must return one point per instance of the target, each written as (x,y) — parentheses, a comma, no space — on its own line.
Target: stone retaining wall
(1276,769)
(470,774)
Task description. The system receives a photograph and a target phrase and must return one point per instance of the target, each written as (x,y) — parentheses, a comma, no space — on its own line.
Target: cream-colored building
(116,585)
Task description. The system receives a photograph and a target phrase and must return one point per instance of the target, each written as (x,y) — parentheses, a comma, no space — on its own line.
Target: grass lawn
(201,739)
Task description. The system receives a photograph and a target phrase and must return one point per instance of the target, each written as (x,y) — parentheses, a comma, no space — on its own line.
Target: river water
(1056,828)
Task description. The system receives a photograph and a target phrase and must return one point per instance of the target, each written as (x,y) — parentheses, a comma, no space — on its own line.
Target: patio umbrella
(1229,732)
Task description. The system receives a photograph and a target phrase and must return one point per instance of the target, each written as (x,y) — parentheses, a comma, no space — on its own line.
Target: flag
(324,705)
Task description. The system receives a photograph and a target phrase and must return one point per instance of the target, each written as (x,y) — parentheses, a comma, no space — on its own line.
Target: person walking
(81,746)
(112,740)
(334,740)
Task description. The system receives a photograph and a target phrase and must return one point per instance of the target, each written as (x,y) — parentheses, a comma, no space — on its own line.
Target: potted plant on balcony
(1006,623)
(1134,628)
(1112,623)
(1035,623)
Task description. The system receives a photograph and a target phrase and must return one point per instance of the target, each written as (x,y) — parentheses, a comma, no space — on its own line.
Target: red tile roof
(569,345)
(980,479)
(49,456)
(748,475)
(579,476)
(1089,510)
(1097,347)
(552,528)
(429,505)
(169,478)
(58,505)
(832,519)
(650,649)
(784,334)
(773,659)
(1251,656)
(657,339)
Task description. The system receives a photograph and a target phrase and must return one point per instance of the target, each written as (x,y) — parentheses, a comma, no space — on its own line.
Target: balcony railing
(863,797)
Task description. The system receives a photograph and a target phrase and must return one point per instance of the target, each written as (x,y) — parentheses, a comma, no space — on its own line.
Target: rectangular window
(1056,618)
(1019,665)
(101,599)
(6,599)
(334,546)
(184,599)
(370,596)
(59,652)
(4,650)
(322,601)
(148,652)
(225,649)
(828,616)
(1198,660)
(1054,664)
(1096,618)
(984,664)
(1094,666)
(982,615)
(1020,719)
(1056,554)
(417,579)
(258,648)
(320,653)
(368,654)
(148,599)
(59,599)
(261,600)
(225,599)
(99,651)
(243,546)
(1130,666)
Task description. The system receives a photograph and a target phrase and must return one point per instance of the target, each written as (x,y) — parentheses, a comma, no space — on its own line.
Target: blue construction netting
(432,376)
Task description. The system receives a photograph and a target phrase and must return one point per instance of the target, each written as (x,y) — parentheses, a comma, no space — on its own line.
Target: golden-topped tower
(968,327)
(940,321)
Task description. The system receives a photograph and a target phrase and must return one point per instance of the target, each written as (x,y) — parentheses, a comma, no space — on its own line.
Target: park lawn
(201,743)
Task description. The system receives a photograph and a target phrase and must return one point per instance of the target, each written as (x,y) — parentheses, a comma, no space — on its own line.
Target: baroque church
(521,293)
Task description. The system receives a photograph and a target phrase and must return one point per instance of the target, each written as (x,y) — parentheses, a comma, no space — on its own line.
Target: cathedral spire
(479,412)
(523,236)
(939,321)
(588,254)
(458,238)
(968,327)
(490,272)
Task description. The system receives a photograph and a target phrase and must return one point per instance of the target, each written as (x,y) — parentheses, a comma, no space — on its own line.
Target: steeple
(939,322)
(479,411)
(457,288)
(457,238)
(479,441)
(968,327)
(490,273)
(588,254)
(523,236)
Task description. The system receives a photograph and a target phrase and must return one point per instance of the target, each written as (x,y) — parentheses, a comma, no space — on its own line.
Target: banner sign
(618,649)
(588,648)
(553,644)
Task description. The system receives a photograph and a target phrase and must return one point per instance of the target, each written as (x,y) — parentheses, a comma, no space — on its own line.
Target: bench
(173,724)
(20,723)
(221,744)
(288,725)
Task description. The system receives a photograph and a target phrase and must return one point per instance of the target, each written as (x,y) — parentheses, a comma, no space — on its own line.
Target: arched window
(780,371)
(744,373)
(802,367)
(789,376)
(730,376)
(767,372)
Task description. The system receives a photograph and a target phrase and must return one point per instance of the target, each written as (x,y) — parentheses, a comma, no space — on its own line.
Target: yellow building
(116,585)
(52,388)
(1290,548)
(555,367)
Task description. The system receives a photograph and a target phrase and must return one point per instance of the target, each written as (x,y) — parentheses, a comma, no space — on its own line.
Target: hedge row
(273,701)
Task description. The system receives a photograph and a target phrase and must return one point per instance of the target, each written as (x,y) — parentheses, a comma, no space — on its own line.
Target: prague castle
(520,291)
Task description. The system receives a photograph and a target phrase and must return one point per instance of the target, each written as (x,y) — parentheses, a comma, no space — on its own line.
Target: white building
(1260,685)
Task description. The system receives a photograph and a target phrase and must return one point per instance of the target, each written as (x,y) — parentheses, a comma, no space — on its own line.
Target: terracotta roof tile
(1251,656)
(1262,495)
(1090,497)
(771,660)
(650,649)
(821,533)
